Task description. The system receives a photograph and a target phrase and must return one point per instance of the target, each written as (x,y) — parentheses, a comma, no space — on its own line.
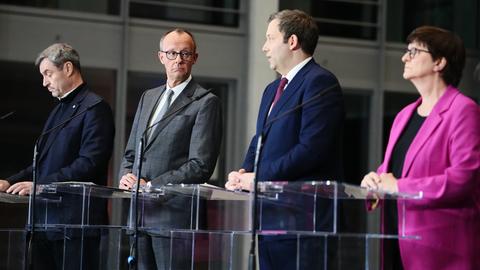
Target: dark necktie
(278,94)
(280,89)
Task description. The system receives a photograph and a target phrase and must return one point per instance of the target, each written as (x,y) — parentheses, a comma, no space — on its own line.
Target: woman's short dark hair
(299,23)
(442,43)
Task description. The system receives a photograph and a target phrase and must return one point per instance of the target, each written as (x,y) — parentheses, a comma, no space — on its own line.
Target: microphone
(7,115)
(258,149)
(131,260)
(31,201)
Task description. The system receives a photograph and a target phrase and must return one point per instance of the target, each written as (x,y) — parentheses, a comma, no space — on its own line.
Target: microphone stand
(132,258)
(7,115)
(252,256)
(31,213)
(30,228)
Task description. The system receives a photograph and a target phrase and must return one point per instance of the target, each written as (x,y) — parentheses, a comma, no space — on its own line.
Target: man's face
(54,79)
(179,68)
(275,49)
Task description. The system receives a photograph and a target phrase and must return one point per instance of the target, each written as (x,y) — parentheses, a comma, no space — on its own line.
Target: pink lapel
(428,128)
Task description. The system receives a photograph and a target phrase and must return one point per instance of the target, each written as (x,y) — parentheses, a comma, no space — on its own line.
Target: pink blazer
(443,163)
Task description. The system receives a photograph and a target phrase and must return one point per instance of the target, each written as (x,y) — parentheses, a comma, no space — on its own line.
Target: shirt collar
(179,88)
(291,74)
(68,94)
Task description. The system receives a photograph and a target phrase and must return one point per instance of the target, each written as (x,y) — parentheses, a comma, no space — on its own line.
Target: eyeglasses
(413,51)
(172,55)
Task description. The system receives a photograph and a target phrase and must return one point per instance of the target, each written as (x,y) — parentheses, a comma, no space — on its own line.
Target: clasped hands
(240,180)
(385,182)
(129,181)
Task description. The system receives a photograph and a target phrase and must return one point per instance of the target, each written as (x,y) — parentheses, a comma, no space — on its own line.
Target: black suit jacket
(79,150)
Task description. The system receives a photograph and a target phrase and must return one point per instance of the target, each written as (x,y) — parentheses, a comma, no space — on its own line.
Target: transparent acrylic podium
(13,209)
(80,215)
(217,223)
(212,225)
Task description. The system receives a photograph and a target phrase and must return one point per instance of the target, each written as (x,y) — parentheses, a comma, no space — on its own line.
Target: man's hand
(239,180)
(4,184)
(129,180)
(21,188)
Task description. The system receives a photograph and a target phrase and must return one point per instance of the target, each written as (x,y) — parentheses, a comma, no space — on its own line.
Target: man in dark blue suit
(78,148)
(301,119)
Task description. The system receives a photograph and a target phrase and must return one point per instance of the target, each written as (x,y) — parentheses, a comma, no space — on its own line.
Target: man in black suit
(78,149)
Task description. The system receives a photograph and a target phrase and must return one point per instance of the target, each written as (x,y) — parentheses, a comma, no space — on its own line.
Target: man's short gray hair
(59,54)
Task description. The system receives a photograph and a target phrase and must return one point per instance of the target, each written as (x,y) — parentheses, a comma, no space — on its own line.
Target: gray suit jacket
(182,149)
(184,146)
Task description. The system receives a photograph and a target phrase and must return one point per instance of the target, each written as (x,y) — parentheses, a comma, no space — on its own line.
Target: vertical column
(376,128)
(259,73)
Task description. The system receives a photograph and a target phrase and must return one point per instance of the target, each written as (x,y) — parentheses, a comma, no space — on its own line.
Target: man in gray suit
(182,125)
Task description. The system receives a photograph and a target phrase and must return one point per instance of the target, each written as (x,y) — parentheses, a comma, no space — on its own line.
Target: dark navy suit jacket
(303,144)
(77,151)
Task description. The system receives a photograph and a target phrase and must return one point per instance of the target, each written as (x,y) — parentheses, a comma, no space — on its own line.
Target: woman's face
(418,62)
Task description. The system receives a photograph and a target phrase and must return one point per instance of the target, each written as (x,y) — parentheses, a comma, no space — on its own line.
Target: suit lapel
(290,91)
(184,98)
(263,113)
(149,106)
(428,128)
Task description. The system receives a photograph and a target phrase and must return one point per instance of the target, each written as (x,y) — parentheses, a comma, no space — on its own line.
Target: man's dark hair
(299,23)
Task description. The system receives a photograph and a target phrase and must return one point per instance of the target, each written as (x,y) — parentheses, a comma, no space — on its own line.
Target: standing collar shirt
(64,97)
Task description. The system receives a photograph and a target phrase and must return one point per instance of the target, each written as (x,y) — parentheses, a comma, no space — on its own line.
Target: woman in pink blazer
(434,148)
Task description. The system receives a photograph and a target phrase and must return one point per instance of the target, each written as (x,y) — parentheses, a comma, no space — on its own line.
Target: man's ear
(160,57)
(293,42)
(195,57)
(68,68)
(440,64)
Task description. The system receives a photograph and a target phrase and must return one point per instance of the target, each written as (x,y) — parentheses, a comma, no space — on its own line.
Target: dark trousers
(66,254)
(291,254)
(164,252)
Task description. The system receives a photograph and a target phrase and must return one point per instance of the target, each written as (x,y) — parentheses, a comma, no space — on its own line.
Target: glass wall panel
(357,106)
(462,17)
(211,12)
(336,18)
(139,82)
(111,7)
